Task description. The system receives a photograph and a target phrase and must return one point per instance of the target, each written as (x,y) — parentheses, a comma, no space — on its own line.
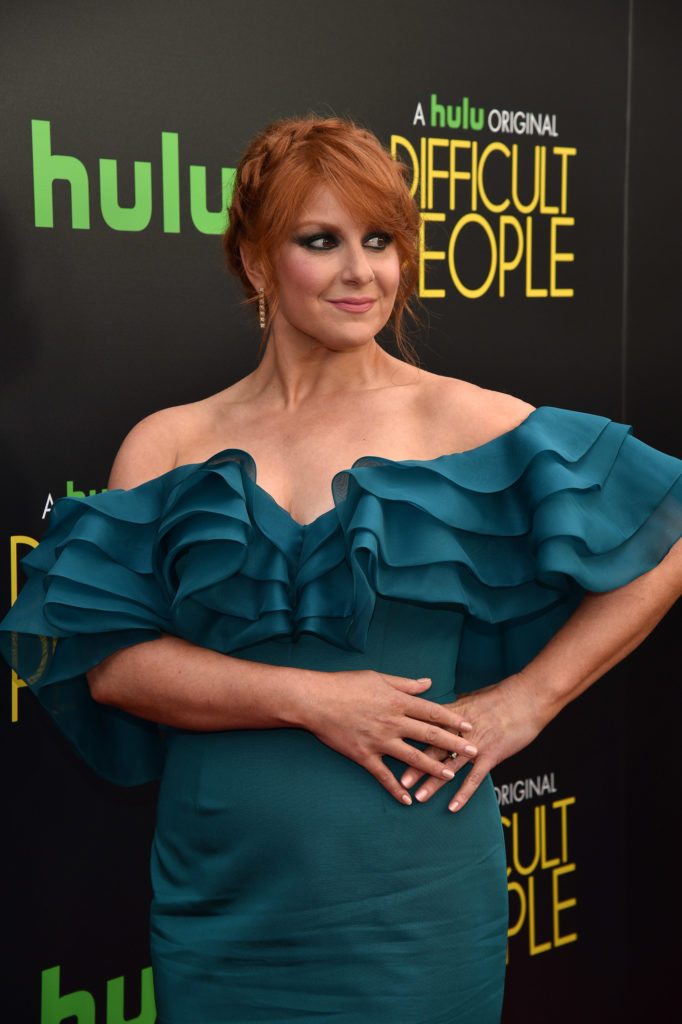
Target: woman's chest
(299,454)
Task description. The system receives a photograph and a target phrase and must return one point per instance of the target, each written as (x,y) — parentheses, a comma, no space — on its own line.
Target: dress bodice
(508,535)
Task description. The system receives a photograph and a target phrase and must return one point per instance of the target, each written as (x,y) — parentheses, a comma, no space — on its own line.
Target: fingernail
(421,794)
(470,750)
(454,806)
(447,774)
(406,798)
(465,725)
(423,679)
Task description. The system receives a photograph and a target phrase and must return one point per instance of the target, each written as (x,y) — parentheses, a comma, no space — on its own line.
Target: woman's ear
(251,266)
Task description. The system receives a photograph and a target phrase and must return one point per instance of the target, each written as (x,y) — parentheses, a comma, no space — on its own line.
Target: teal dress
(288,886)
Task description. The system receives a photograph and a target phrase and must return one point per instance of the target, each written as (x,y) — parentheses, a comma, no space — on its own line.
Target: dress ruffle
(568,501)
(512,533)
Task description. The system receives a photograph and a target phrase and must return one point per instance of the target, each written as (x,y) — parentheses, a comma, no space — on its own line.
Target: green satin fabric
(288,885)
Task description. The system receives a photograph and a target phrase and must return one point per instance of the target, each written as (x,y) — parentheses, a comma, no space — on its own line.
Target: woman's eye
(380,240)
(325,241)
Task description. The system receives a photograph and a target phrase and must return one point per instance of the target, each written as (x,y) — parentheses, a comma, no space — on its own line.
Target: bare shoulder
(474,415)
(498,410)
(150,448)
(172,437)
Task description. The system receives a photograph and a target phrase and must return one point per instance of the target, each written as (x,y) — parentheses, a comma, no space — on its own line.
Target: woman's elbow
(97,684)
(100,683)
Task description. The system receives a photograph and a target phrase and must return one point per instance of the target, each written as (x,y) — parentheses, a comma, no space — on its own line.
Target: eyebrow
(324,225)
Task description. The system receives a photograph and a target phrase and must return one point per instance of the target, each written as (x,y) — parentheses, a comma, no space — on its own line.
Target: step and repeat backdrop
(121,126)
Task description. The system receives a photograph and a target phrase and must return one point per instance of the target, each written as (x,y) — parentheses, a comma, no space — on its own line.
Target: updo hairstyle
(280,169)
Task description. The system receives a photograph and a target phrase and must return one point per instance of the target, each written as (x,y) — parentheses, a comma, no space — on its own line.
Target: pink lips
(353,305)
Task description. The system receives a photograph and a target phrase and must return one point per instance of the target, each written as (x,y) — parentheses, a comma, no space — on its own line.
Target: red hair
(281,167)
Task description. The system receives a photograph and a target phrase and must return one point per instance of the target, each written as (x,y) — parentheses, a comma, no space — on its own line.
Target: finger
(380,771)
(420,761)
(412,775)
(438,738)
(427,789)
(465,753)
(469,786)
(407,685)
(425,710)
(431,785)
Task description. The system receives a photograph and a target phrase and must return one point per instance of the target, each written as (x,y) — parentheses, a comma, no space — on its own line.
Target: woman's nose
(356,265)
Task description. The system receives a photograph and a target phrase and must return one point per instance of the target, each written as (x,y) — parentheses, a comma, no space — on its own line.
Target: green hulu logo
(463,115)
(49,167)
(79,1007)
(71,491)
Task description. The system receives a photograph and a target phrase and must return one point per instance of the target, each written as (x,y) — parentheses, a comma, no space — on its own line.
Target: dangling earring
(261,308)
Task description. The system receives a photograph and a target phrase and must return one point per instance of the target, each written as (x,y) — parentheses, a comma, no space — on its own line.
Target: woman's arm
(186,686)
(602,630)
(362,714)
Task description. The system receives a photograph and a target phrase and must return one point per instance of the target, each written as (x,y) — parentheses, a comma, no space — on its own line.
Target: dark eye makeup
(323,241)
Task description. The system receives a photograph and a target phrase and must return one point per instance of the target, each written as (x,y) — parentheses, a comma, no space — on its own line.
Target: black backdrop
(652,389)
(102,326)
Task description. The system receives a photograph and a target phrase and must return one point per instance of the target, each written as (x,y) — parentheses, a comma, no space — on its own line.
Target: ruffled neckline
(339,482)
(500,531)
(509,534)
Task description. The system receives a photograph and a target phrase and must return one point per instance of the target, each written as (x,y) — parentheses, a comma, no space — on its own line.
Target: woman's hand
(505,720)
(364,714)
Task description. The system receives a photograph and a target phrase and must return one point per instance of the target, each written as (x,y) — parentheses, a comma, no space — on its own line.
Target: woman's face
(337,279)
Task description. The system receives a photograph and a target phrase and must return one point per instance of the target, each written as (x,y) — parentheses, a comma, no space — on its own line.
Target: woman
(292,661)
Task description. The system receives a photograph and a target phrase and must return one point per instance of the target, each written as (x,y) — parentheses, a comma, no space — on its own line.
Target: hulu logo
(49,167)
(462,116)
(71,491)
(79,1007)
